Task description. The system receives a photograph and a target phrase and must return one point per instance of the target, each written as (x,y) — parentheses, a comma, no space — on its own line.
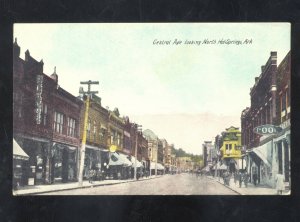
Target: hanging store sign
(113,148)
(267,129)
(38,98)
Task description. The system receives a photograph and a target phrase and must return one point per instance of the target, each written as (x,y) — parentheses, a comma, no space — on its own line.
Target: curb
(83,187)
(226,186)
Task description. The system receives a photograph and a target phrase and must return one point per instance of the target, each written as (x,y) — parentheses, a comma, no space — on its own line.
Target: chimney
(27,55)
(42,64)
(54,76)
(273,58)
(16,49)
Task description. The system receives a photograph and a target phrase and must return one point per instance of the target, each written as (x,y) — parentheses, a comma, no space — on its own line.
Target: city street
(179,184)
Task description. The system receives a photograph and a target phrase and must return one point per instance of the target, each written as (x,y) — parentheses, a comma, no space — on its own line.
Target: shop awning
(95,148)
(118,159)
(158,166)
(138,163)
(205,169)
(220,167)
(263,152)
(18,152)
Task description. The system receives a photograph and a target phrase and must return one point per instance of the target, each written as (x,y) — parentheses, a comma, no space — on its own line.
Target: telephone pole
(136,147)
(88,95)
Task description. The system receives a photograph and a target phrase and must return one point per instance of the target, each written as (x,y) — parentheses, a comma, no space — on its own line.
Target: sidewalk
(250,190)
(37,189)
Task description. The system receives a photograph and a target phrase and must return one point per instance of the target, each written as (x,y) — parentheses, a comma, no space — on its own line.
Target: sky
(185,93)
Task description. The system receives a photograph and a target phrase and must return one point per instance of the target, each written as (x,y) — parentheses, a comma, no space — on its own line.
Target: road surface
(179,184)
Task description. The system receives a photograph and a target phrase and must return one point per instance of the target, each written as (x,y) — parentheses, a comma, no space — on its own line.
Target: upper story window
(113,137)
(94,131)
(101,133)
(58,122)
(44,114)
(228,146)
(89,129)
(287,97)
(283,101)
(118,139)
(71,127)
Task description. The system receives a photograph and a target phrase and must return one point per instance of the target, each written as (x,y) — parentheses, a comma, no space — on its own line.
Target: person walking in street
(279,183)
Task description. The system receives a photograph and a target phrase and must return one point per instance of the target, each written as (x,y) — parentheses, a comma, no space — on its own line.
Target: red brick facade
(37,97)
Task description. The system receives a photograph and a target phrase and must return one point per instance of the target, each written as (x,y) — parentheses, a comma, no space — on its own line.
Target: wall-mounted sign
(267,129)
(38,98)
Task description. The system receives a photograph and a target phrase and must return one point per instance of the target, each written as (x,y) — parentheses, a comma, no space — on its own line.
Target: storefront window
(58,164)
(72,165)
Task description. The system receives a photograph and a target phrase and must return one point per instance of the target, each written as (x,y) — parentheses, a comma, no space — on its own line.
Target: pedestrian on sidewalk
(71,173)
(235,176)
(279,183)
(91,175)
(226,178)
(255,178)
(246,178)
(240,178)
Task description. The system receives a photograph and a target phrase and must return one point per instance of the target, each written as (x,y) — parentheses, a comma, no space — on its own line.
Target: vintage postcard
(151,109)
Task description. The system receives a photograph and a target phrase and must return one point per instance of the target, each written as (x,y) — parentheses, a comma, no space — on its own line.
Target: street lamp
(138,129)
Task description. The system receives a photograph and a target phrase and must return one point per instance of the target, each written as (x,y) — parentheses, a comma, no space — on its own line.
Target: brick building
(96,152)
(46,122)
(282,155)
(167,155)
(160,151)
(155,152)
(268,155)
(263,97)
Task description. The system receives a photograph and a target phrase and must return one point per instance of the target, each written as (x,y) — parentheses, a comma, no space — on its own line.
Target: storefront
(139,167)
(119,166)
(156,166)
(260,164)
(281,156)
(19,158)
(34,171)
(64,163)
(97,159)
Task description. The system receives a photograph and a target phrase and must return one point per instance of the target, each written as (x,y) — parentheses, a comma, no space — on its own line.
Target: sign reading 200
(267,129)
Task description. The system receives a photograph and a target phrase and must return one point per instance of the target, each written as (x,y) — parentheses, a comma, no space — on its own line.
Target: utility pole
(135,152)
(156,158)
(86,114)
